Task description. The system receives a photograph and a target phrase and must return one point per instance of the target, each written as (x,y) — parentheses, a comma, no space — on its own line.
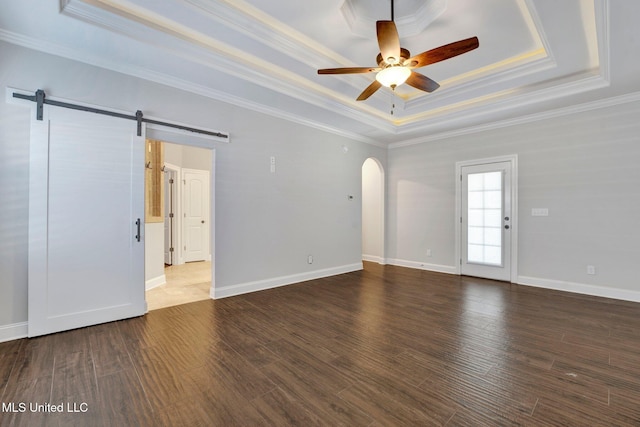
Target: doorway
(373,211)
(486,212)
(186,198)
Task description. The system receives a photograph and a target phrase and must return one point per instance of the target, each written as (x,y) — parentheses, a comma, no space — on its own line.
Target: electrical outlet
(429,253)
(591,269)
(310,259)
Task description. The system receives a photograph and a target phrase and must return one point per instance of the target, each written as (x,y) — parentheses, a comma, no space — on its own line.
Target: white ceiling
(534,55)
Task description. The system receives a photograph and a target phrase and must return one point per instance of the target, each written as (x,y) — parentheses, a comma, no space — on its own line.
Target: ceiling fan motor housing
(404,54)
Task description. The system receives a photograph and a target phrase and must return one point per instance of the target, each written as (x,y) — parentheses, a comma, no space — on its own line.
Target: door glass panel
(476,235)
(485,201)
(475,253)
(476,200)
(492,199)
(493,181)
(492,217)
(493,236)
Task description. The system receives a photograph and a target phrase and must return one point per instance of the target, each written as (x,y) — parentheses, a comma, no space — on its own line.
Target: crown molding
(603,30)
(170,81)
(537,62)
(551,114)
(252,22)
(503,101)
(238,15)
(211,53)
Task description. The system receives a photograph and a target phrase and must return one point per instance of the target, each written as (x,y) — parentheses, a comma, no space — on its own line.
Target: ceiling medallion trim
(412,17)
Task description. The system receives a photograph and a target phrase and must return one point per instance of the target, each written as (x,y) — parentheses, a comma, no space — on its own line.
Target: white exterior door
(486,206)
(196,215)
(86,250)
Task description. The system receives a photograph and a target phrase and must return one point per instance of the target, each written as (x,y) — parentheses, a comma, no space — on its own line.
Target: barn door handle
(138,227)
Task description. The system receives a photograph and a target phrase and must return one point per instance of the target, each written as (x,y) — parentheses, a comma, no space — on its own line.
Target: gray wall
(188,157)
(585,168)
(266,224)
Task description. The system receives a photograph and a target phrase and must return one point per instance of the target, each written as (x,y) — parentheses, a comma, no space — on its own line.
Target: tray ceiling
(263,55)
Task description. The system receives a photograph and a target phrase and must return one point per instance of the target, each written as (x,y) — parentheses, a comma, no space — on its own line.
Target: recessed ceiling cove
(411,16)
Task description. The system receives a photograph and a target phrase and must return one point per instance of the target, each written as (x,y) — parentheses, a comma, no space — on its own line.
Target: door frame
(177,209)
(513,160)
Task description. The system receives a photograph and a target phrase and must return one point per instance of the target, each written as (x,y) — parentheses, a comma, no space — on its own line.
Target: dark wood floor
(385,346)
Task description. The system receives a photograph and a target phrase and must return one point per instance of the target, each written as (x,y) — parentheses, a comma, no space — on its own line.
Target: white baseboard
(374,258)
(260,285)
(13,332)
(580,288)
(155,282)
(423,266)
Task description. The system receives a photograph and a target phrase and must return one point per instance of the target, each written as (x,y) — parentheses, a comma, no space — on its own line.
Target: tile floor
(185,283)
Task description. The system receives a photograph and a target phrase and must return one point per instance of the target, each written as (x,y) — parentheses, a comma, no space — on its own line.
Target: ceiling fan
(396,65)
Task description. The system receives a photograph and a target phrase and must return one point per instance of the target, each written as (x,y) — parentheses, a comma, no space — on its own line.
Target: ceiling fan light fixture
(393,76)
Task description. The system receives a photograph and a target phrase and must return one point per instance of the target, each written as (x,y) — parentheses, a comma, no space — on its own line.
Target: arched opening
(373,211)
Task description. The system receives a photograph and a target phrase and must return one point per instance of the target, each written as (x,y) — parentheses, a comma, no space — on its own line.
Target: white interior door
(196,215)
(486,207)
(86,254)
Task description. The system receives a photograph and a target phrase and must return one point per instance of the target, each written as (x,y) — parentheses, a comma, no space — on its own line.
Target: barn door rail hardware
(40,99)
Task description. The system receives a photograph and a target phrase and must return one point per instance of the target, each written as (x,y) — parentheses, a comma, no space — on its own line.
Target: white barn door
(86,254)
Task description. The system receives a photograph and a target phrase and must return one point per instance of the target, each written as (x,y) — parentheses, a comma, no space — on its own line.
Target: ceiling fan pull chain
(393,104)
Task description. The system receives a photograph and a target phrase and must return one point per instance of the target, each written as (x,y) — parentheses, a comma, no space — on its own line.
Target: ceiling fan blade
(352,70)
(389,41)
(443,52)
(422,82)
(370,90)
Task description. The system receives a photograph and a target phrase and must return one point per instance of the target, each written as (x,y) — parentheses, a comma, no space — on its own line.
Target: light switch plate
(539,212)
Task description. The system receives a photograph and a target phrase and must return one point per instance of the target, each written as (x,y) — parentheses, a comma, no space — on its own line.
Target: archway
(373,197)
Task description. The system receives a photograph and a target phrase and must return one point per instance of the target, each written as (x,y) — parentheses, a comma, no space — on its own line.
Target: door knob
(202,221)
(506,227)
(506,218)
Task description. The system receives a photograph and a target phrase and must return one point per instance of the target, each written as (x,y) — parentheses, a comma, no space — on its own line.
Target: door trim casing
(513,159)
(177,214)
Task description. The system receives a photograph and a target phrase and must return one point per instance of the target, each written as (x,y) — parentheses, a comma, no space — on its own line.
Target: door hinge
(171,181)
(171,215)
(460,261)
(170,249)
(460,220)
